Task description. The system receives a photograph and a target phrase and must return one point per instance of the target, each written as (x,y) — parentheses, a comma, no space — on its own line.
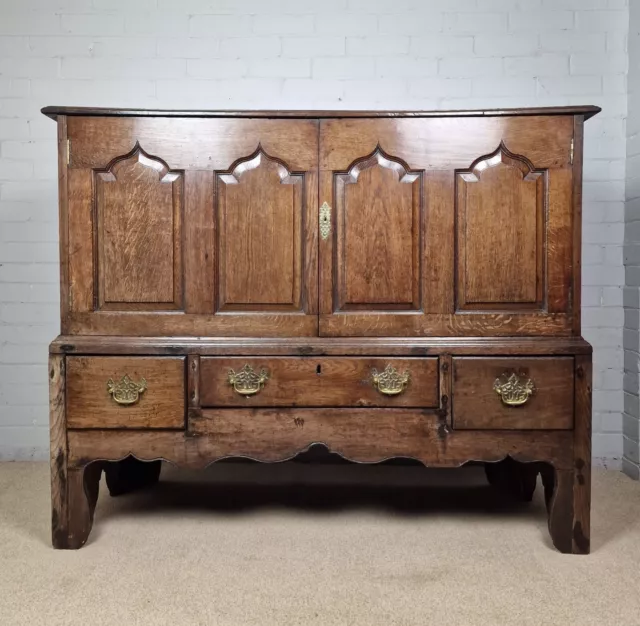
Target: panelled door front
(446,226)
(192,226)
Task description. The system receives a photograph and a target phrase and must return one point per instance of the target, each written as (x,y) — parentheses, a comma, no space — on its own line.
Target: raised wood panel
(90,405)
(211,144)
(378,205)
(501,213)
(477,405)
(446,143)
(260,208)
(138,234)
(321,381)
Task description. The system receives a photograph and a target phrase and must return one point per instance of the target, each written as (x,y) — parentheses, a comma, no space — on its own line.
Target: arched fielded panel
(378,204)
(501,211)
(138,234)
(260,212)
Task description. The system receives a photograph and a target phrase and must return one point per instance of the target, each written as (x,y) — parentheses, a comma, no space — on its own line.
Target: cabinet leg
(74,504)
(131,475)
(516,479)
(568,518)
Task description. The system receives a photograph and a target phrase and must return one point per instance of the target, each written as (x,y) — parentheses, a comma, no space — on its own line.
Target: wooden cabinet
(383,284)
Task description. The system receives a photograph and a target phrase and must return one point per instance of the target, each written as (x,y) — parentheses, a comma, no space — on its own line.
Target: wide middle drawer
(316,382)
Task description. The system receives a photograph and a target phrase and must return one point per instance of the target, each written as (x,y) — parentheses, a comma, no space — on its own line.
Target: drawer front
(513,393)
(316,382)
(125,392)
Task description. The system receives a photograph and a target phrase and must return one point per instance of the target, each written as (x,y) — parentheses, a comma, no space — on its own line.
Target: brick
(14,129)
(217,68)
(472,23)
(14,47)
(251,47)
(569,85)
(85,24)
(378,90)
(410,23)
(598,63)
(347,24)
(470,67)
(283,24)
(540,65)
(602,21)
(105,68)
(317,90)
(576,42)
(29,232)
(14,87)
(540,21)
(220,25)
(189,47)
(441,46)
(505,45)
(377,46)
(218,93)
(440,87)
(15,170)
(339,68)
(513,86)
(280,68)
(311,47)
(92,46)
(29,23)
(29,68)
(156,23)
(405,67)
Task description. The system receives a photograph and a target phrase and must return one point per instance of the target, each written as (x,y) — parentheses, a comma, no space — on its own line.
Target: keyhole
(318,369)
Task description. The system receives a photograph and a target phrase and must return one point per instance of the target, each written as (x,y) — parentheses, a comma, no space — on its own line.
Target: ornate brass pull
(325,220)
(246,382)
(126,391)
(390,382)
(514,389)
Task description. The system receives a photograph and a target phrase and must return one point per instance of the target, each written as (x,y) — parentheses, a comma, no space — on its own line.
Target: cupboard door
(449,226)
(204,227)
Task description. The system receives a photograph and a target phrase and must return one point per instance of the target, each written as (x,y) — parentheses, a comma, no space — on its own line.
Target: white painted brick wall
(295,54)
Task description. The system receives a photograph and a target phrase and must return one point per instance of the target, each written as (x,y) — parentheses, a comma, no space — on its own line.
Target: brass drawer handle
(390,382)
(246,382)
(126,391)
(514,390)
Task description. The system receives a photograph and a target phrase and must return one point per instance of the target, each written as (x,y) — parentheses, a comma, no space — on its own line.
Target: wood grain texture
(354,323)
(139,237)
(161,405)
(320,346)
(199,242)
(581,528)
(315,382)
(272,435)
(260,209)
(54,111)
(379,220)
(476,404)
(500,217)
(58,450)
(80,223)
(576,276)
(63,218)
(200,144)
(446,143)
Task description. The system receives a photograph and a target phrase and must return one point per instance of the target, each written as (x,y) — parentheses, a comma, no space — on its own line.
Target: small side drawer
(318,382)
(513,393)
(151,396)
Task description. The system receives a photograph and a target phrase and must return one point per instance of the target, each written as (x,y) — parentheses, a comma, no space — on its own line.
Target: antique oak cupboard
(386,284)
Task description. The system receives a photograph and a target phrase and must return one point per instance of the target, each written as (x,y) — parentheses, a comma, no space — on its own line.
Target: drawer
(513,393)
(125,392)
(317,382)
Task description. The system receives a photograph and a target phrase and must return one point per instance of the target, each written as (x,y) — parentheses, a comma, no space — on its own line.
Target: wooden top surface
(53,112)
